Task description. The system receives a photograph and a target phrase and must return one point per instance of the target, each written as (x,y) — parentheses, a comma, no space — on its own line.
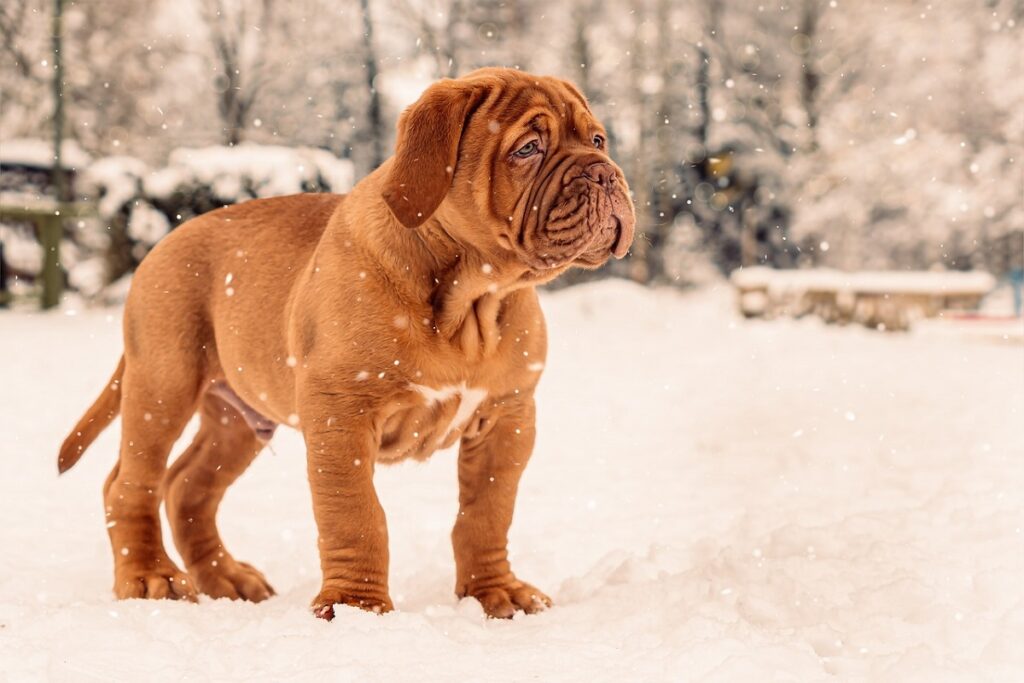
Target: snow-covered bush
(196,180)
(136,206)
(113,183)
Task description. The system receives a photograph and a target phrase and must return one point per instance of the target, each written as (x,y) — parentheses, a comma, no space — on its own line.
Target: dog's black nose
(601,173)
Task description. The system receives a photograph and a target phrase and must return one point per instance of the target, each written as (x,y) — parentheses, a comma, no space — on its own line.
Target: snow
(21,248)
(700,506)
(88,276)
(146,224)
(118,179)
(38,153)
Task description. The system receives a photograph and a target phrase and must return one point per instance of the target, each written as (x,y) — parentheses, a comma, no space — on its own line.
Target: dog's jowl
(384,324)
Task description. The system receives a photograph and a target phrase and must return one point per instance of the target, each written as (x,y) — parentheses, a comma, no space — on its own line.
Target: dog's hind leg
(155,407)
(227,442)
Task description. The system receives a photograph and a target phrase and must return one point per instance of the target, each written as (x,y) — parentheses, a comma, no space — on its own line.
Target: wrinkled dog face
(566,200)
(527,169)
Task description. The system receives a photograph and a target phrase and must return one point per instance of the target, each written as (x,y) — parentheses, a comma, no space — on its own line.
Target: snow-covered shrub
(22,252)
(147,225)
(197,180)
(113,183)
(136,206)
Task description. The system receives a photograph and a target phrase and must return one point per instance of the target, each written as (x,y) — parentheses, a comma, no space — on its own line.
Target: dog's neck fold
(462,284)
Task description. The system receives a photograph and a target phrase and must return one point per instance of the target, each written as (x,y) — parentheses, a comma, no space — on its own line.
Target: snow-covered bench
(47,218)
(881,299)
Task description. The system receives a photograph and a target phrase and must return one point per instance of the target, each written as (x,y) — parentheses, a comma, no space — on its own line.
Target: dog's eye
(598,141)
(529,149)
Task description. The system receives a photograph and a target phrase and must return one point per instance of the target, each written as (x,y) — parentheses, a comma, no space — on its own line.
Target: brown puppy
(384,324)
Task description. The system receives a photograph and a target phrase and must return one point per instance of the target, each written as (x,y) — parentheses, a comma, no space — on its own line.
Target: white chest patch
(469,400)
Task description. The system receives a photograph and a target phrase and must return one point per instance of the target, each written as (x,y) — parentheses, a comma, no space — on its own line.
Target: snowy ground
(710,500)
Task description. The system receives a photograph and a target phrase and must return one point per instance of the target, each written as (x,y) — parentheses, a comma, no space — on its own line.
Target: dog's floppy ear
(426,150)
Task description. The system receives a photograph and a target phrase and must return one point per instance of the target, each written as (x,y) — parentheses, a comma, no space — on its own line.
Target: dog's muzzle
(585,215)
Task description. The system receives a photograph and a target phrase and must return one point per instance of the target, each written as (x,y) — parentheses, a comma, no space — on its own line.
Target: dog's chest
(430,418)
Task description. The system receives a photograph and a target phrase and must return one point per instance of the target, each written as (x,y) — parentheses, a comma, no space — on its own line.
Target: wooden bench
(48,218)
(888,300)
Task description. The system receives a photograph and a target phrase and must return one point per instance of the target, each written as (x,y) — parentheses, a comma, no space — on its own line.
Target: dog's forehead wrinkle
(516,101)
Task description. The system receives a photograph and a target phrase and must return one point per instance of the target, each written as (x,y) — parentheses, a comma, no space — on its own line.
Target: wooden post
(51,227)
(59,179)
(50,232)
(4,296)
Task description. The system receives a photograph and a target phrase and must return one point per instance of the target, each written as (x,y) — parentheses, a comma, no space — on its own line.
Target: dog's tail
(100,414)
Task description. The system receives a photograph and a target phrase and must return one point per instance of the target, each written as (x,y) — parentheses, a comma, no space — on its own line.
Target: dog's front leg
(353,537)
(490,466)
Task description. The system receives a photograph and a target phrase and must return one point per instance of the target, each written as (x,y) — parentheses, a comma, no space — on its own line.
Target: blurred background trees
(805,132)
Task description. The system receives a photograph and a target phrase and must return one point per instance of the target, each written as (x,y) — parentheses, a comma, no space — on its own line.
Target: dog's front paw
(501,601)
(323,605)
(160,582)
(226,577)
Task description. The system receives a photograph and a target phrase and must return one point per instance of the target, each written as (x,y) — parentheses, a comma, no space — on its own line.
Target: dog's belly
(433,418)
(262,425)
